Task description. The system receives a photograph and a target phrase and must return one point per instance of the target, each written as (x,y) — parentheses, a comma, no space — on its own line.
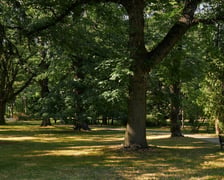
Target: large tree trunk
(2,112)
(135,135)
(136,127)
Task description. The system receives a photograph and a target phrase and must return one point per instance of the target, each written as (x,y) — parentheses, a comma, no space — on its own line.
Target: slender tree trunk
(220,115)
(44,92)
(80,89)
(104,120)
(44,87)
(2,112)
(175,92)
(112,121)
(46,122)
(217,129)
(175,111)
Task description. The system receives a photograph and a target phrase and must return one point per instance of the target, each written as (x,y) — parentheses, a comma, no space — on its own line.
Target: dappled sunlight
(35,133)
(29,138)
(129,173)
(218,163)
(19,138)
(150,176)
(2,130)
(95,138)
(101,151)
(161,173)
(177,142)
(67,152)
(158,136)
(152,172)
(93,150)
(122,158)
(206,177)
(181,147)
(60,139)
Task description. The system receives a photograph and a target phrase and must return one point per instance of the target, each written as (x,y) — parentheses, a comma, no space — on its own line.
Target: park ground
(28,151)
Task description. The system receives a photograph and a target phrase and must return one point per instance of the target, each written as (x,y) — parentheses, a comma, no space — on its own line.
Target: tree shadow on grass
(175,158)
(63,154)
(187,157)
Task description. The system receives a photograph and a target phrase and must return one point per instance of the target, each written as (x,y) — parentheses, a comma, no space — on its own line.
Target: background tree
(98,69)
(212,86)
(17,67)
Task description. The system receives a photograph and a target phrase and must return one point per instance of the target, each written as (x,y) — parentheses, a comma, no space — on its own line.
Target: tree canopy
(88,54)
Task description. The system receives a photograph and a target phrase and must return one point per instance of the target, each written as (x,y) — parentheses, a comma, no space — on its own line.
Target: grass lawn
(28,151)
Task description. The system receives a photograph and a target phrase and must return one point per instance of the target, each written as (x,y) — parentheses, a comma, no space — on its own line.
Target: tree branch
(48,22)
(174,35)
(25,85)
(207,21)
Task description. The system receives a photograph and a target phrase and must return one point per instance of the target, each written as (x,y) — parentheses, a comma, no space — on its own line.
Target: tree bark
(136,126)
(46,122)
(136,129)
(175,111)
(185,22)
(217,128)
(2,112)
(80,88)
(143,61)
(44,88)
(175,93)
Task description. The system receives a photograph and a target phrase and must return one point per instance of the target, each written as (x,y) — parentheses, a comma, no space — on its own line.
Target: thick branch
(174,35)
(48,22)
(208,21)
(39,26)
(25,85)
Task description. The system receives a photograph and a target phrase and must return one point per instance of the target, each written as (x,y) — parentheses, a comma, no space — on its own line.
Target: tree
(96,49)
(44,89)
(175,93)
(15,71)
(213,84)
(143,60)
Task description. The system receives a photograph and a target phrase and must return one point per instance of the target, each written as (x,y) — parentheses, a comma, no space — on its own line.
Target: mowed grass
(28,151)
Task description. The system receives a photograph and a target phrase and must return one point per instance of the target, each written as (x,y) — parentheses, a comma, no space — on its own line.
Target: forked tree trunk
(135,135)
(144,61)
(2,112)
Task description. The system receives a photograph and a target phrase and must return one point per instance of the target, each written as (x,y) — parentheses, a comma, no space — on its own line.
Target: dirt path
(206,137)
